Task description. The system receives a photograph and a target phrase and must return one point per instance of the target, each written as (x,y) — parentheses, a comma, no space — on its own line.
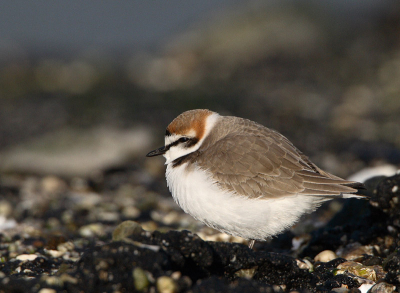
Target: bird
(242,178)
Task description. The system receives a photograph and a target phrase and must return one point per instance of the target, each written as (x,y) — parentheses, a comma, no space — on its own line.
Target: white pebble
(26,257)
(365,287)
(325,256)
(47,290)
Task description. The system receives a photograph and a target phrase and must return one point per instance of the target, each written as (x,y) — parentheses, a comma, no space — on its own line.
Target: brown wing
(268,166)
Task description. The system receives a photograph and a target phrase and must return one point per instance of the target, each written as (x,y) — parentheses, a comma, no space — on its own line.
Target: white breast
(233,214)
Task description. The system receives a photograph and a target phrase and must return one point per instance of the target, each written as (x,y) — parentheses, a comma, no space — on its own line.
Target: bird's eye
(184,139)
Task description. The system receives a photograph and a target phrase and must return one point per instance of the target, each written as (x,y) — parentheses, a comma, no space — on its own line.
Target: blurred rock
(125,230)
(140,280)
(92,230)
(166,285)
(76,153)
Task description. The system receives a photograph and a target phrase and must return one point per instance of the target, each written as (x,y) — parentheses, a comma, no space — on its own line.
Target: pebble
(357,269)
(6,224)
(68,279)
(246,273)
(53,281)
(140,279)
(47,290)
(340,290)
(221,237)
(26,257)
(150,226)
(6,209)
(126,229)
(66,246)
(55,253)
(91,230)
(130,212)
(166,285)
(382,287)
(355,251)
(364,288)
(325,256)
(108,216)
(304,264)
(52,185)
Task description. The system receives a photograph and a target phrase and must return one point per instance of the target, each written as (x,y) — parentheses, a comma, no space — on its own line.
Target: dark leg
(251,243)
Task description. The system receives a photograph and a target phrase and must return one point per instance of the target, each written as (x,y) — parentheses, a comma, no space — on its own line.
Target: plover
(242,178)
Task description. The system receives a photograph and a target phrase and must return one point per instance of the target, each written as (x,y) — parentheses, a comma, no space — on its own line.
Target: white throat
(178,151)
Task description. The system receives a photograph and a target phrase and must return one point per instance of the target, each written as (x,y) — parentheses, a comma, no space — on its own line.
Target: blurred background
(87,87)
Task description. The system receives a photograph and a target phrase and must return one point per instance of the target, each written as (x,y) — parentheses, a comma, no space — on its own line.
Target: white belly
(233,214)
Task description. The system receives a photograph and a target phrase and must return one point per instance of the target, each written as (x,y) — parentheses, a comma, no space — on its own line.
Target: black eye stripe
(190,142)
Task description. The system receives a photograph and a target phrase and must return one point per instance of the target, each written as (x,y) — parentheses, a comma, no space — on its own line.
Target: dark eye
(184,139)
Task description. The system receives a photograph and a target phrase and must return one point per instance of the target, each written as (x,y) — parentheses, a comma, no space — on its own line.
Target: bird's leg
(251,243)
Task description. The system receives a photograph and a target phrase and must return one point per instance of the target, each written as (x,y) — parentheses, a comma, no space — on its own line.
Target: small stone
(130,212)
(382,287)
(355,251)
(325,256)
(340,290)
(171,218)
(52,185)
(357,269)
(55,253)
(66,246)
(91,230)
(53,281)
(246,273)
(53,223)
(47,290)
(68,279)
(219,237)
(365,288)
(150,226)
(108,217)
(6,209)
(140,279)
(166,285)
(304,264)
(26,257)
(176,275)
(7,223)
(126,229)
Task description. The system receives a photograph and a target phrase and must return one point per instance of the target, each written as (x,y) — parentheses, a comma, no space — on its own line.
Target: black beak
(157,152)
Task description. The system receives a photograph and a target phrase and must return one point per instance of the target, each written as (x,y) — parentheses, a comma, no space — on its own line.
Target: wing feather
(254,161)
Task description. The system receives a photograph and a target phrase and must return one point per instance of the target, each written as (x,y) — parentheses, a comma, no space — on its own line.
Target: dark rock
(392,266)
(276,268)
(370,260)
(104,267)
(339,280)
(380,213)
(216,285)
